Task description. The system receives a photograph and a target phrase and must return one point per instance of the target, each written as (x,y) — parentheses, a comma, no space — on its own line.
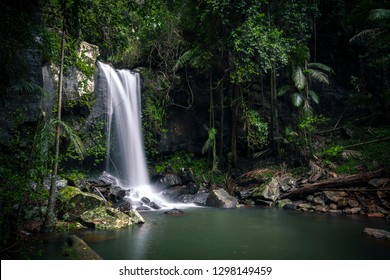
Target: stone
(108,218)
(283,202)
(174,212)
(334,196)
(286,182)
(319,201)
(333,206)
(73,201)
(165,181)
(219,198)
(353,203)
(377,233)
(354,210)
(186,175)
(117,193)
(77,249)
(321,208)
(271,190)
(342,202)
(310,198)
(290,206)
(335,211)
(192,188)
(376,215)
(108,179)
(304,206)
(199,198)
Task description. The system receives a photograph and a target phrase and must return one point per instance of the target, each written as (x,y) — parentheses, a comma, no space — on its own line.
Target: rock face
(377,233)
(221,199)
(74,202)
(109,218)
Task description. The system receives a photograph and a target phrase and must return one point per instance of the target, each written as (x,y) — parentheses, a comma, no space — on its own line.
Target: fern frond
(321,67)
(379,14)
(282,91)
(350,154)
(318,76)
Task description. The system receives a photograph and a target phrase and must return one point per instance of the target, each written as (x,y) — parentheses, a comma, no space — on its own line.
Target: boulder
(286,182)
(283,202)
(174,212)
(165,181)
(117,194)
(109,218)
(186,175)
(335,196)
(318,201)
(271,190)
(77,249)
(73,201)
(221,199)
(107,178)
(199,198)
(353,203)
(354,210)
(377,233)
(321,208)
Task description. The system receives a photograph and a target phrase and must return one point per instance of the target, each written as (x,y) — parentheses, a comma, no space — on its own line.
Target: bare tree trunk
(234,109)
(50,216)
(221,128)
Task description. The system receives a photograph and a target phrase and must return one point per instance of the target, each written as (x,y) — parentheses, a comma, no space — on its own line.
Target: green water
(207,233)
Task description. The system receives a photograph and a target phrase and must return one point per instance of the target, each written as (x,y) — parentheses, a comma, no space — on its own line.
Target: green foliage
(256,130)
(183,160)
(258,46)
(332,152)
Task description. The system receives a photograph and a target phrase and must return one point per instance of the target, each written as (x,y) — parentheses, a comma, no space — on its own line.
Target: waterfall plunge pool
(248,233)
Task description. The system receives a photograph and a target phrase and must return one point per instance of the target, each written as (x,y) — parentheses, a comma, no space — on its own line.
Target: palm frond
(365,34)
(318,76)
(299,78)
(379,14)
(183,59)
(73,137)
(297,99)
(282,91)
(314,96)
(350,154)
(321,67)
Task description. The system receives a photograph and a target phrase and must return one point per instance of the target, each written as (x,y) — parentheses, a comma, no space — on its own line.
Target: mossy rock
(77,249)
(73,202)
(109,218)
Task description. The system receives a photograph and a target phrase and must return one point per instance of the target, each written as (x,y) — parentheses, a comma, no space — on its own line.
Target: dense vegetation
(295,81)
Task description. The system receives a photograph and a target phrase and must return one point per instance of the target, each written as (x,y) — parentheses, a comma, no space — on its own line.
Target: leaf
(299,78)
(73,137)
(297,99)
(320,66)
(307,109)
(314,96)
(350,154)
(379,14)
(318,76)
(282,91)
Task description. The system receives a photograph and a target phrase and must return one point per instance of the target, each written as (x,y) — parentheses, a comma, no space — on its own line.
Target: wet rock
(165,181)
(154,205)
(321,208)
(335,196)
(319,201)
(186,176)
(108,179)
(310,198)
(117,193)
(353,203)
(286,182)
(304,206)
(108,218)
(333,206)
(192,188)
(271,190)
(146,200)
(73,201)
(376,215)
(335,211)
(174,212)
(283,202)
(342,202)
(290,206)
(77,249)
(221,199)
(199,198)
(354,210)
(136,217)
(377,233)
(175,192)
(143,208)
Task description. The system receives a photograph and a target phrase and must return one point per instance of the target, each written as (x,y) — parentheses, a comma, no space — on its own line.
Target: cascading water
(125,133)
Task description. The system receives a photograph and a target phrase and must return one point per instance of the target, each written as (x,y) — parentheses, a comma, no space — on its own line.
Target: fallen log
(338,182)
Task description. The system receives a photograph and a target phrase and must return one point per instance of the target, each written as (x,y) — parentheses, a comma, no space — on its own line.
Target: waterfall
(124,126)
(125,152)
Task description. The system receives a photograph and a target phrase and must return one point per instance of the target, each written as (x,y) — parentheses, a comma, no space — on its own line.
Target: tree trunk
(234,109)
(339,182)
(50,216)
